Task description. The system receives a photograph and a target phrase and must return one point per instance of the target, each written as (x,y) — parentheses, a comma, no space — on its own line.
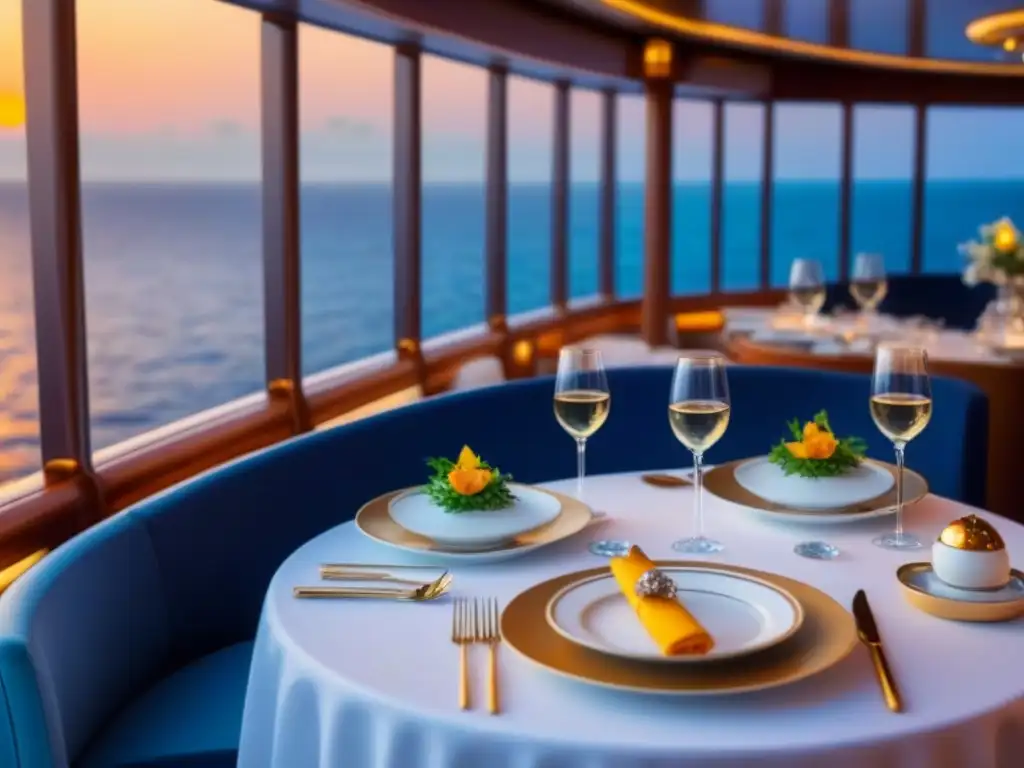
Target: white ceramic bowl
(966,569)
(863,483)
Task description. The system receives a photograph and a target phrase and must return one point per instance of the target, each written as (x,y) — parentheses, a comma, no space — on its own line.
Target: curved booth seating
(130,645)
(940,297)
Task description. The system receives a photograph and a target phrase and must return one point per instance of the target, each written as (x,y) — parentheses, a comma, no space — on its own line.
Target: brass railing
(80,488)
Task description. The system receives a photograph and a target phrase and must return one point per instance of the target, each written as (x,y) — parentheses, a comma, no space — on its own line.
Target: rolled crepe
(666,620)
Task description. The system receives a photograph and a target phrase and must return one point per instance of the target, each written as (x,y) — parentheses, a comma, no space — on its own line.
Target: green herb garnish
(847,454)
(493,496)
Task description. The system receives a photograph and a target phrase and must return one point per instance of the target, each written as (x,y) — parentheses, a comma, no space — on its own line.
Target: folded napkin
(668,623)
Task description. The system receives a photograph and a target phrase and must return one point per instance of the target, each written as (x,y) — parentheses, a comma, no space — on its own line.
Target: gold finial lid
(973,534)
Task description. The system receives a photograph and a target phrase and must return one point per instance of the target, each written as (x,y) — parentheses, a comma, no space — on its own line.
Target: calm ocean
(173,276)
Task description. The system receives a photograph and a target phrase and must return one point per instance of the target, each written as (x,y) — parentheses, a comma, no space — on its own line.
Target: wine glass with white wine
(807,287)
(698,412)
(582,404)
(868,285)
(901,405)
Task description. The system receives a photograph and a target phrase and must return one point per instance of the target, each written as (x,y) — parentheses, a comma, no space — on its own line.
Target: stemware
(807,287)
(901,406)
(582,404)
(698,412)
(868,285)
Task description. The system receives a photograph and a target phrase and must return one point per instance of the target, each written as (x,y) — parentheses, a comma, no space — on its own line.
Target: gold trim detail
(759,41)
(956,610)
(408,346)
(61,469)
(657,59)
(997,28)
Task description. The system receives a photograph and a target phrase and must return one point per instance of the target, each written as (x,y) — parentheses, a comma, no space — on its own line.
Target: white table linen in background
(368,684)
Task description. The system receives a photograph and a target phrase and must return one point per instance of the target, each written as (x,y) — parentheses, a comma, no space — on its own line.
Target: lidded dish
(970,554)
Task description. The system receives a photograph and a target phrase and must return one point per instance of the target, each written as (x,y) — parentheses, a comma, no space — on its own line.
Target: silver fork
(487,631)
(463,633)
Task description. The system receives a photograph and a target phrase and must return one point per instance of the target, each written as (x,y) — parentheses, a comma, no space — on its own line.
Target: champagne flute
(582,404)
(698,412)
(901,405)
(868,285)
(807,287)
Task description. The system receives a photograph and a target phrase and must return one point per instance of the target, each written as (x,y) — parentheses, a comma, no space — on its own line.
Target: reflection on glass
(698,413)
(901,405)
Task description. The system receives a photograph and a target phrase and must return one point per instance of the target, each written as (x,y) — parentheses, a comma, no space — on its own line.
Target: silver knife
(868,632)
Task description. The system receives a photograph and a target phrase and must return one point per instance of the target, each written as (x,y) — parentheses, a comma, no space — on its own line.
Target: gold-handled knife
(868,632)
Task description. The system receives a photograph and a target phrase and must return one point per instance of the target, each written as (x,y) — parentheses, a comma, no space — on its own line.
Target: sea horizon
(173,273)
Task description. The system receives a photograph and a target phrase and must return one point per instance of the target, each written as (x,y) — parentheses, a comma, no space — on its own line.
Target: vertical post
(917,195)
(560,200)
(658,193)
(917,17)
(846,191)
(606,243)
(767,190)
(497,199)
(839,23)
(55,214)
(407,212)
(772,17)
(279,104)
(717,174)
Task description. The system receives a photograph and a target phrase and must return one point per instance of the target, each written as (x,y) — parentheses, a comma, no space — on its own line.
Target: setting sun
(12,110)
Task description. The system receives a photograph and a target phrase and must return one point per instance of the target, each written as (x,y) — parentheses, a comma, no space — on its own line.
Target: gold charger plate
(374,521)
(827,636)
(721,482)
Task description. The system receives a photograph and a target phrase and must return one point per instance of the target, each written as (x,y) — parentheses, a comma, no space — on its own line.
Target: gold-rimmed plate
(927,592)
(826,637)
(375,521)
(721,482)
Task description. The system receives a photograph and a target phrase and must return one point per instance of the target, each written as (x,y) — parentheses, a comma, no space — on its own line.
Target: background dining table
(373,684)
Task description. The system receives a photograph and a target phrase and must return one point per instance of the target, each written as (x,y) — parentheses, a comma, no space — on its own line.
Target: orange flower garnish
(468,479)
(818,443)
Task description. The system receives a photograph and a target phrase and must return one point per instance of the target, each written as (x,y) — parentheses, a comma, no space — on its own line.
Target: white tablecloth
(353,684)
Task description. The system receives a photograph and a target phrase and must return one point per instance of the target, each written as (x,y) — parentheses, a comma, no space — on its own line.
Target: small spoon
(429,591)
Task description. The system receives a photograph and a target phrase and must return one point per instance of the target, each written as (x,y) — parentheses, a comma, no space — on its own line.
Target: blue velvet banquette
(130,644)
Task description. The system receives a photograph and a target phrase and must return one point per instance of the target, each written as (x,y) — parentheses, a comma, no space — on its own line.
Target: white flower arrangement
(997,257)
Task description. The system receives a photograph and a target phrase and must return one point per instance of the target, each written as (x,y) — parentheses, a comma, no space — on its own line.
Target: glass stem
(581,465)
(899,488)
(698,496)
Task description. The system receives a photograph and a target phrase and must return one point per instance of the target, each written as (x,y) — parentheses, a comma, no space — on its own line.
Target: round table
(373,684)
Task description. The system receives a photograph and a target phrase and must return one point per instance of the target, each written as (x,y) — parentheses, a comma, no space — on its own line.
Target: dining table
(352,683)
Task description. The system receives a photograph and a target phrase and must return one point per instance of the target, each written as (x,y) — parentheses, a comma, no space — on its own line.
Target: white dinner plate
(414,511)
(741,613)
(863,483)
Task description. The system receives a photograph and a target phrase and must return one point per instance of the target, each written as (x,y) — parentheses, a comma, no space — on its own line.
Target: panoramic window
(879,25)
(531,110)
(974,178)
(741,197)
(805,201)
(454,126)
(691,201)
(584,211)
(737,13)
(629,214)
(945,23)
(807,20)
(883,171)
(345,128)
(19,395)
(171,210)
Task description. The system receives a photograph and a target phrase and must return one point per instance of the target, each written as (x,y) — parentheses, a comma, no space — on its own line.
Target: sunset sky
(169,90)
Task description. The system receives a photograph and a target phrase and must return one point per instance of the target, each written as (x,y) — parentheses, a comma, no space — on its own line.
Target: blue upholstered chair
(940,297)
(130,645)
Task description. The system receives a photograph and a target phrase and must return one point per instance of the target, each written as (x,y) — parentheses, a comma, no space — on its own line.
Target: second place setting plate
(744,614)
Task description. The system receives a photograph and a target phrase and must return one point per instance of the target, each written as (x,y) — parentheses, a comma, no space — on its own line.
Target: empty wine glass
(901,405)
(807,287)
(582,404)
(698,412)
(868,285)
